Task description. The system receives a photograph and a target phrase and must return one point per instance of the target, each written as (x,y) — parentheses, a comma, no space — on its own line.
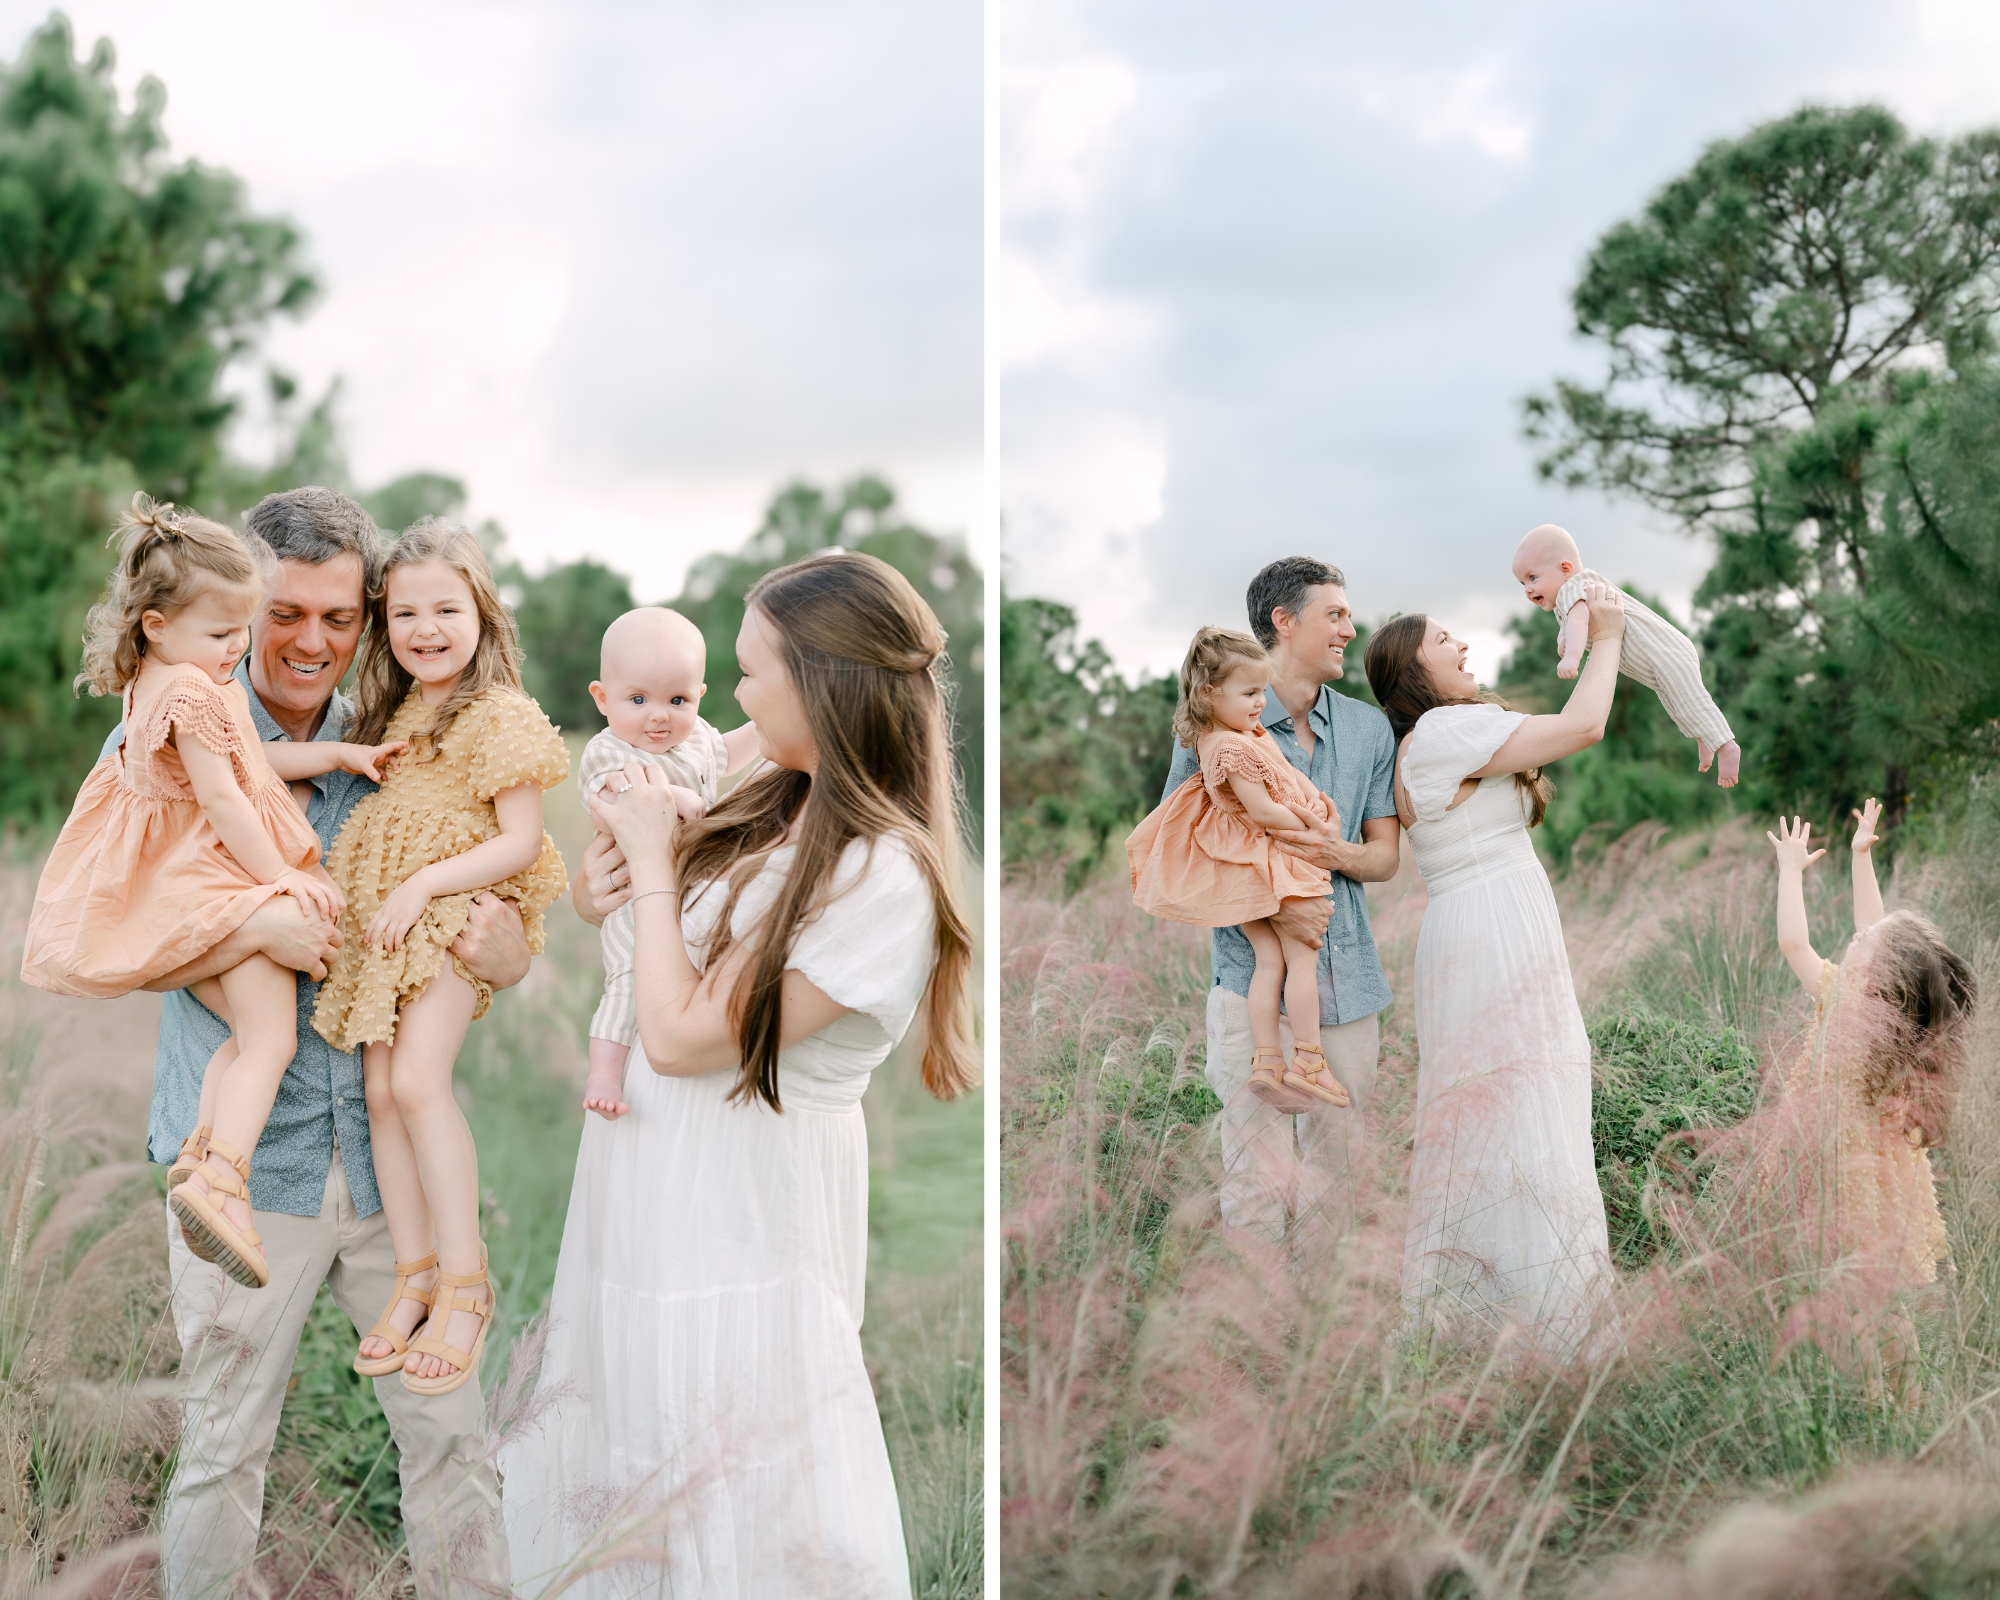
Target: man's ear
(1281,621)
(600,697)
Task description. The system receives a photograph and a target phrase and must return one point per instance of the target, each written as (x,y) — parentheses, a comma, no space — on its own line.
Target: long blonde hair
(1209,660)
(866,658)
(382,683)
(166,557)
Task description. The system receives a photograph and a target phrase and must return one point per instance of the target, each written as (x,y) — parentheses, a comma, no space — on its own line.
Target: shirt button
(338,1101)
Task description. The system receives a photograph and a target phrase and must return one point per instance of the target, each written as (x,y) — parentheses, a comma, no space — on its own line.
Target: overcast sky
(623,267)
(1274,277)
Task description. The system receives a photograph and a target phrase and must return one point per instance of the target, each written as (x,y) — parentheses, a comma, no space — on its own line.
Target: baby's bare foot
(1732,756)
(604,1093)
(405,1316)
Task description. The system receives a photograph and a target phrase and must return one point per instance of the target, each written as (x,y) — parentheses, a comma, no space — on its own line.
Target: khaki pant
(237,1349)
(1286,1176)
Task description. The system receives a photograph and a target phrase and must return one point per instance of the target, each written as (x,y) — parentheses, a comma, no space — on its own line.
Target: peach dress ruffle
(139,883)
(428,811)
(1199,858)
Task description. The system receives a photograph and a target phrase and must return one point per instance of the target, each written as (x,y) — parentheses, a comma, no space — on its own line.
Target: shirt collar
(332,726)
(1276,716)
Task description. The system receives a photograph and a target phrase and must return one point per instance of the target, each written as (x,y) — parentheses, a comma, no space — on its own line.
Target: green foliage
(861,515)
(563,615)
(1087,752)
(408,499)
(1655,1077)
(127,283)
(1801,342)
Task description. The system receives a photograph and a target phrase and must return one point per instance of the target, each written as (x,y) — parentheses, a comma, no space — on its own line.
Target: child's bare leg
(262,1001)
(1267,1060)
(1266,983)
(604,1089)
(428,1035)
(403,1205)
(209,993)
(1308,1072)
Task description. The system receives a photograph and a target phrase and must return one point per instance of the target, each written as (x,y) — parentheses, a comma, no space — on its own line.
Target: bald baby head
(1544,561)
(652,663)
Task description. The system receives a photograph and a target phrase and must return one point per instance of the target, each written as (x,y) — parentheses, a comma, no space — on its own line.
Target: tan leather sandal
(210,1235)
(382,1366)
(443,1304)
(1308,1074)
(194,1151)
(1267,1083)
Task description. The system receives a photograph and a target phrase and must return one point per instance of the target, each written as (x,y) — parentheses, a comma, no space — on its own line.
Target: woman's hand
(1865,837)
(313,893)
(603,881)
(398,914)
(1607,611)
(1791,842)
(642,817)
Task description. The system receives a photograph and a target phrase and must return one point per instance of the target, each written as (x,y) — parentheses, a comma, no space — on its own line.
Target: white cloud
(1307,258)
(622,267)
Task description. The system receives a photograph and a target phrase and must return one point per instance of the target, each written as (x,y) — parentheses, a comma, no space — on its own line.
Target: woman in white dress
(1506,1224)
(703,1423)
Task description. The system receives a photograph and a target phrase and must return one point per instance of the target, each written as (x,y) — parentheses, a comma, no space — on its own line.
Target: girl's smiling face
(1238,699)
(433,625)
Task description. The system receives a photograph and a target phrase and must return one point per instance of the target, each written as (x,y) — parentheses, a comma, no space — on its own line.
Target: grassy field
(87,1349)
(1187,1413)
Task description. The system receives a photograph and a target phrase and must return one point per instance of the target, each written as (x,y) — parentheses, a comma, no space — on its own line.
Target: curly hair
(383,683)
(1209,661)
(1928,994)
(166,557)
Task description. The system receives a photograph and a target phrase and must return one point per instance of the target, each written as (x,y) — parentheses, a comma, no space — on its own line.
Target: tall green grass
(1192,1412)
(87,1346)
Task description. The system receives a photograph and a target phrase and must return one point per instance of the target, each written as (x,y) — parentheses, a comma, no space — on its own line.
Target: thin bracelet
(644,892)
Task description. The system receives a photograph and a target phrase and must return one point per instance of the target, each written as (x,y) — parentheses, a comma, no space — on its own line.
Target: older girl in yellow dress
(461,814)
(1863,1103)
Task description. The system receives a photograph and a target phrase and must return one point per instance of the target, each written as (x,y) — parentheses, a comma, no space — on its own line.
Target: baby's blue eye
(636,699)
(678,700)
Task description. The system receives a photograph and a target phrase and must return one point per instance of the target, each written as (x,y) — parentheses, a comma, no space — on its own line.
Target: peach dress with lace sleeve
(1199,858)
(139,883)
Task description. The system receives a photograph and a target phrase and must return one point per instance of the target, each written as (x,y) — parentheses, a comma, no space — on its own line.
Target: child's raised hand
(398,914)
(372,760)
(1865,837)
(1791,842)
(312,893)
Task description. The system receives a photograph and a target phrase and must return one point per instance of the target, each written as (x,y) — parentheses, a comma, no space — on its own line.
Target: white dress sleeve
(870,949)
(1448,745)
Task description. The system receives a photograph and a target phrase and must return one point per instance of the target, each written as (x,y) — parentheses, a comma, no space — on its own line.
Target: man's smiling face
(305,637)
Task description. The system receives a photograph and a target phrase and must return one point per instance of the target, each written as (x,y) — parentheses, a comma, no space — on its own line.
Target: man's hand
(1303,920)
(1315,839)
(603,883)
(494,943)
(281,929)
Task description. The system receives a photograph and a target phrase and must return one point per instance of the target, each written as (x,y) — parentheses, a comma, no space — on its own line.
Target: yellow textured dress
(428,811)
(1878,1202)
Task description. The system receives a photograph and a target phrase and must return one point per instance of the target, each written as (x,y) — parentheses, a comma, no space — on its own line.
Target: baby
(653,661)
(1656,653)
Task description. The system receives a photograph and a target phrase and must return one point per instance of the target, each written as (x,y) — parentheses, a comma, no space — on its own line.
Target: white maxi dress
(1506,1219)
(703,1424)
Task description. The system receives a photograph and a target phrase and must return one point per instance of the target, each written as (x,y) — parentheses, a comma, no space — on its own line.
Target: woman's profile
(703,1407)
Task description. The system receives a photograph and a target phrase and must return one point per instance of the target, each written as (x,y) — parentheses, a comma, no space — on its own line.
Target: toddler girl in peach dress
(1866,1098)
(179,835)
(1205,855)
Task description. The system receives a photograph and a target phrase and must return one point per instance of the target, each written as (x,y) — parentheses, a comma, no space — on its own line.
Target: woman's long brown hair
(1405,690)
(866,658)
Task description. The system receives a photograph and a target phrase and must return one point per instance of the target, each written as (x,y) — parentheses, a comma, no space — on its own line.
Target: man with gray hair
(312,1182)
(1287,1168)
